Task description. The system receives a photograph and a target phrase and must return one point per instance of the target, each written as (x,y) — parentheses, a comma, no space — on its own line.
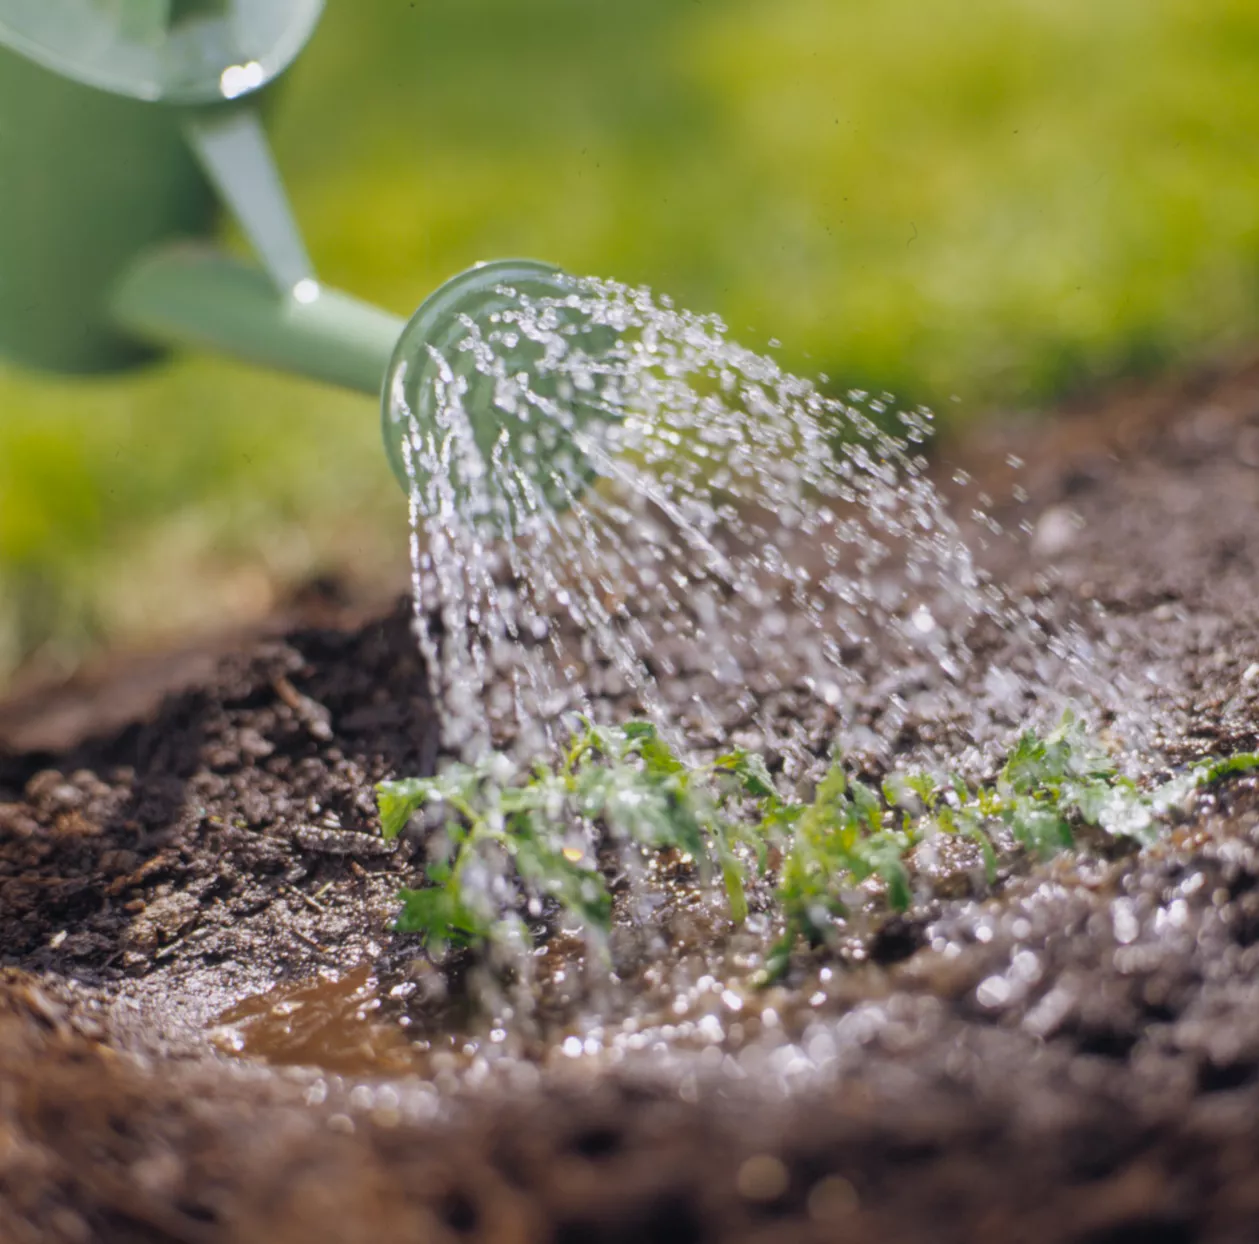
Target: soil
(208,1031)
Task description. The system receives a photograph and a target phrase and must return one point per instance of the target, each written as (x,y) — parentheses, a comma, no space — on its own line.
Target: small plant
(514,841)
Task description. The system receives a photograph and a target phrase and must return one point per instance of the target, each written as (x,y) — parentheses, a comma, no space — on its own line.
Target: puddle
(354,1025)
(688,1002)
(331,1022)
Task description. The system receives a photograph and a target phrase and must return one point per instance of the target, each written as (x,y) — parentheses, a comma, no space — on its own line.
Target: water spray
(127,124)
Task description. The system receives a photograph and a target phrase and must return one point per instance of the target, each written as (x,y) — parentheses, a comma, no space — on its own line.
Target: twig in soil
(313,904)
(145,872)
(342,842)
(169,949)
(310,941)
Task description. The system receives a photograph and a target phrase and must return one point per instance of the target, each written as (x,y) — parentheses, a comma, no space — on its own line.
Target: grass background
(994,201)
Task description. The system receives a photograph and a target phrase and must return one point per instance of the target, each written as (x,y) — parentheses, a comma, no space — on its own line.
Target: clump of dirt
(190,845)
(1074,1057)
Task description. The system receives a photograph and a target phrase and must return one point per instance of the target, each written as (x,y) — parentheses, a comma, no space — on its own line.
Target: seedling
(515,845)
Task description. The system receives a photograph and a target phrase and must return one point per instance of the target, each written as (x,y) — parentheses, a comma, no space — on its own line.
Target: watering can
(123,125)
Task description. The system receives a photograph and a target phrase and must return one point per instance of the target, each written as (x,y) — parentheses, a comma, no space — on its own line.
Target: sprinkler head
(177,51)
(480,407)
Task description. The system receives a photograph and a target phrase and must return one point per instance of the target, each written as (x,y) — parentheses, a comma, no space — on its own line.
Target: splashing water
(616,509)
(619,511)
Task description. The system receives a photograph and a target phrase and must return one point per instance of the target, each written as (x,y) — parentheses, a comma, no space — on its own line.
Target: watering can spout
(191,295)
(187,294)
(104,256)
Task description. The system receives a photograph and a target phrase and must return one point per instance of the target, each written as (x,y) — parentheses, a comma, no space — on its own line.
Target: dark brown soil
(1074,1058)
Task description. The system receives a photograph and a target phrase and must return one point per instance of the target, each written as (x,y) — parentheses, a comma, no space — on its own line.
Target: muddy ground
(1073,1056)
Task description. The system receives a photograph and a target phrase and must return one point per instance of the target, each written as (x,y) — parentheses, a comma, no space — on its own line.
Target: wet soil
(1070,1056)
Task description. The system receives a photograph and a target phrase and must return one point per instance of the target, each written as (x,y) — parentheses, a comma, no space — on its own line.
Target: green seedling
(514,840)
(517,846)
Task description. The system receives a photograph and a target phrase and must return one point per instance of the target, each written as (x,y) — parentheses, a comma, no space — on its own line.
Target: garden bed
(1070,1054)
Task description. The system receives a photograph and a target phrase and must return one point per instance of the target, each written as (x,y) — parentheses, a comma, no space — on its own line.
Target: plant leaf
(398,801)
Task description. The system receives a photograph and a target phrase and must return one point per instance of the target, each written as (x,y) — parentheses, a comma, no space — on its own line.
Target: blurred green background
(994,201)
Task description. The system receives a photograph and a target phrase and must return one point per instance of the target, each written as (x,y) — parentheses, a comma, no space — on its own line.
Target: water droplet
(306,291)
(994,992)
(236,80)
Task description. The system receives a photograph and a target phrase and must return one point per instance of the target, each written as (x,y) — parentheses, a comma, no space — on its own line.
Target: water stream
(617,509)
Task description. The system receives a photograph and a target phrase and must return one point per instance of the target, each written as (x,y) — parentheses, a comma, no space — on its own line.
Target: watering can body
(88,181)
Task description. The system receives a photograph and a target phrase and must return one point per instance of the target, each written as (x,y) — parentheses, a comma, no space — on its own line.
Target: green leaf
(1039,828)
(779,958)
(1211,771)
(638,729)
(867,804)
(579,890)
(885,859)
(439,917)
(751,771)
(969,827)
(660,761)
(925,787)
(1088,798)
(399,801)
(1028,766)
(732,876)
(832,786)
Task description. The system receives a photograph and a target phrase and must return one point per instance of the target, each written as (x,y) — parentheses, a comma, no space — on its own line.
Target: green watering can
(123,123)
